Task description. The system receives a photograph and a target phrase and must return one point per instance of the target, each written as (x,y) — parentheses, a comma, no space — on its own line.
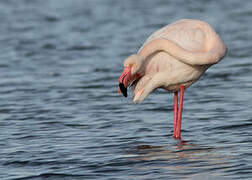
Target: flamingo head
(131,72)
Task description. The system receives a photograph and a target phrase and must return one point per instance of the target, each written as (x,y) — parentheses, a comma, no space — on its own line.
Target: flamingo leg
(175,113)
(179,117)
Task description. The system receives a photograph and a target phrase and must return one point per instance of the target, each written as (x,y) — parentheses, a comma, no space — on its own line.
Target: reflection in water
(183,159)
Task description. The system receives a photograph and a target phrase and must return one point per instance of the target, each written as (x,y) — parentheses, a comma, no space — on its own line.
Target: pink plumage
(172,58)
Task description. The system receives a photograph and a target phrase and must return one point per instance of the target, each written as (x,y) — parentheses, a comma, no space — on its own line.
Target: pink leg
(175,113)
(181,97)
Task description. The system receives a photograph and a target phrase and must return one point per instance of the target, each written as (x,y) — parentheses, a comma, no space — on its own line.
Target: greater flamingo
(172,58)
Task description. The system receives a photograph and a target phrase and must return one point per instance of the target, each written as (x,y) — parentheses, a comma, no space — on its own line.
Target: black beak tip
(123,89)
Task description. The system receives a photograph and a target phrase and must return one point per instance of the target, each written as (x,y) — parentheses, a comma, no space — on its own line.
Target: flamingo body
(172,58)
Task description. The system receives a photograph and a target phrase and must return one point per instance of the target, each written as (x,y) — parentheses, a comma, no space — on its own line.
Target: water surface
(61,116)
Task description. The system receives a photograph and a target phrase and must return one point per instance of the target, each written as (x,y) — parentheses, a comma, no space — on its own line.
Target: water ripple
(61,116)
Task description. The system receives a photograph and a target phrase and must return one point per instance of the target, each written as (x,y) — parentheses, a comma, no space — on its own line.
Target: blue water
(61,116)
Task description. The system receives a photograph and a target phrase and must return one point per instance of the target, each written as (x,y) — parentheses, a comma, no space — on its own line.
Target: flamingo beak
(124,81)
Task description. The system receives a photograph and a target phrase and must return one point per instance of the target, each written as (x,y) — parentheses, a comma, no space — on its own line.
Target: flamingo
(173,58)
